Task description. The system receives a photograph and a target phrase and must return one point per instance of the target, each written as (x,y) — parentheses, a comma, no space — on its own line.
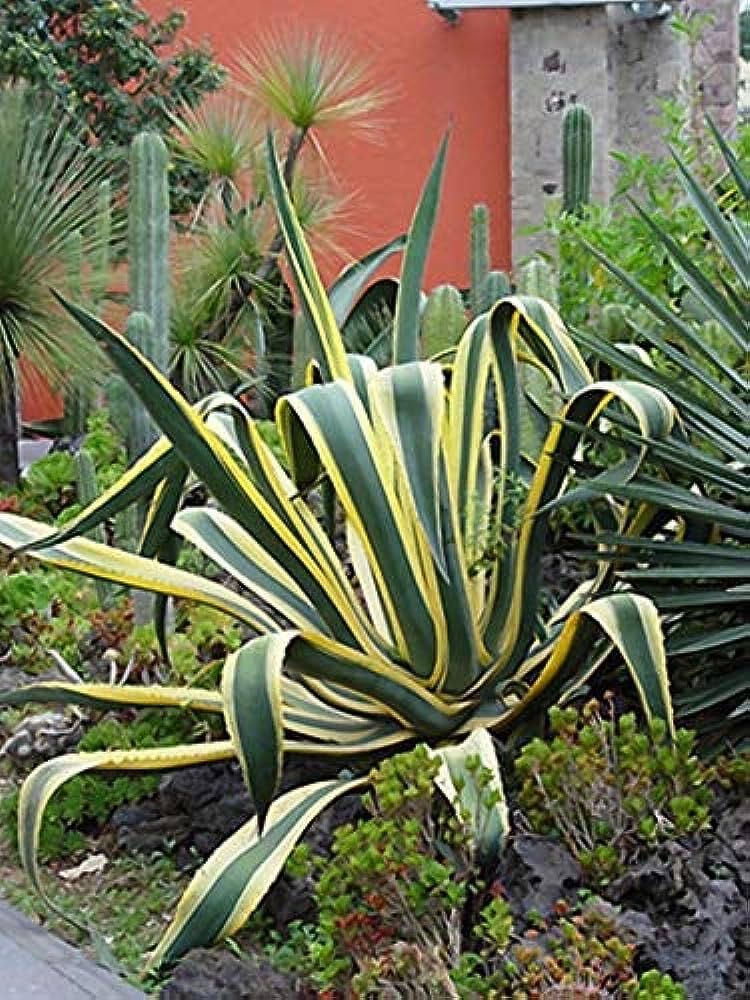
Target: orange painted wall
(439,75)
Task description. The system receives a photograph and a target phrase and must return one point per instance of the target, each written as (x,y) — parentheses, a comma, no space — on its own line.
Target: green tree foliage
(112,67)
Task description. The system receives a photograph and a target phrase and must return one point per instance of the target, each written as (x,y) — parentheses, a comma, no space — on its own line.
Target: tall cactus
(141,430)
(479,256)
(443,320)
(102,258)
(496,286)
(148,266)
(486,286)
(577,159)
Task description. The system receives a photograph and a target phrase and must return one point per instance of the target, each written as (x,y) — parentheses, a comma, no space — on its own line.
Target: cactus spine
(577,159)
(538,278)
(443,320)
(88,490)
(148,267)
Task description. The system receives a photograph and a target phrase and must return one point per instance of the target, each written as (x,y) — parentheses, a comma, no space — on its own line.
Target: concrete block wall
(621,69)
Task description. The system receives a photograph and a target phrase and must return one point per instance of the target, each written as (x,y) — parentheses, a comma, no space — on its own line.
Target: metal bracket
(641,10)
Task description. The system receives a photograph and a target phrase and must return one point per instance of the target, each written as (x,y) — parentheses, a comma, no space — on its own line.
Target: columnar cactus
(148,265)
(101,261)
(88,490)
(486,286)
(141,431)
(479,256)
(577,159)
(538,278)
(496,286)
(443,320)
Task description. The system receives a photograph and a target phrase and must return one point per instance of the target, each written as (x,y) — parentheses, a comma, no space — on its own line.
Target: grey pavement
(34,965)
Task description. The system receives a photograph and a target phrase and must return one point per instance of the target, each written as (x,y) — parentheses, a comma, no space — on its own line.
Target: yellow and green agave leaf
(234,880)
(116,696)
(251,687)
(44,781)
(80,555)
(406,322)
(469,777)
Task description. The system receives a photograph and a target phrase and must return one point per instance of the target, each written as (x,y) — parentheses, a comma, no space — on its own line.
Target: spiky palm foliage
(220,139)
(414,636)
(693,559)
(310,81)
(306,84)
(48,198)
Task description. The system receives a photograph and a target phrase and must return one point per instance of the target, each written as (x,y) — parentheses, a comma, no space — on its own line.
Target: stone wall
(621,69)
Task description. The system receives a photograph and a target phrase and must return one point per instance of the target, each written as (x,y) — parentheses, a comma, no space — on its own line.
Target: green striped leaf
(406,321)
(233,882)
(251,689)
(44,781)
(488,821)
(115,696)
(80,555)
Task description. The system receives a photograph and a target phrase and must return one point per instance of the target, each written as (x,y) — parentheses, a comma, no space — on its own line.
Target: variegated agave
(416,638)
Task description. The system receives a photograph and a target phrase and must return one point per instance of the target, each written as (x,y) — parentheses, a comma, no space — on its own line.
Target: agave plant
(690,552)
(412,637)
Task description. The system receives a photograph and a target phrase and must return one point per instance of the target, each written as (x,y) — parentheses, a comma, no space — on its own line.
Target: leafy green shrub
(654,985)
(577,952)
(49,484)
(387,892)
(402,906)
(610,790)
(88,56)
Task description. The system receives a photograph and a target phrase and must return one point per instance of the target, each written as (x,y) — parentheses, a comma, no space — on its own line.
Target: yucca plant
(49,194)
(426,632)
(690,550)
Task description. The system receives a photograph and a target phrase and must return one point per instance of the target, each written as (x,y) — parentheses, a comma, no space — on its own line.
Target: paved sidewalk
(34,965)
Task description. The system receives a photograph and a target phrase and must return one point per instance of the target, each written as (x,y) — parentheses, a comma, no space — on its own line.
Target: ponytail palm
(423,632)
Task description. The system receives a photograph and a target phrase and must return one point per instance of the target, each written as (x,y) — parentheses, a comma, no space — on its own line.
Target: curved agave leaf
(234,880)
(115,696)
(251,688)
(631,623)
(44,781)
(80,555)
(406,321)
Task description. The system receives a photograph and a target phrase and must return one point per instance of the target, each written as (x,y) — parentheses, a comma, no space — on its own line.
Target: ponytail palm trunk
(424,632)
